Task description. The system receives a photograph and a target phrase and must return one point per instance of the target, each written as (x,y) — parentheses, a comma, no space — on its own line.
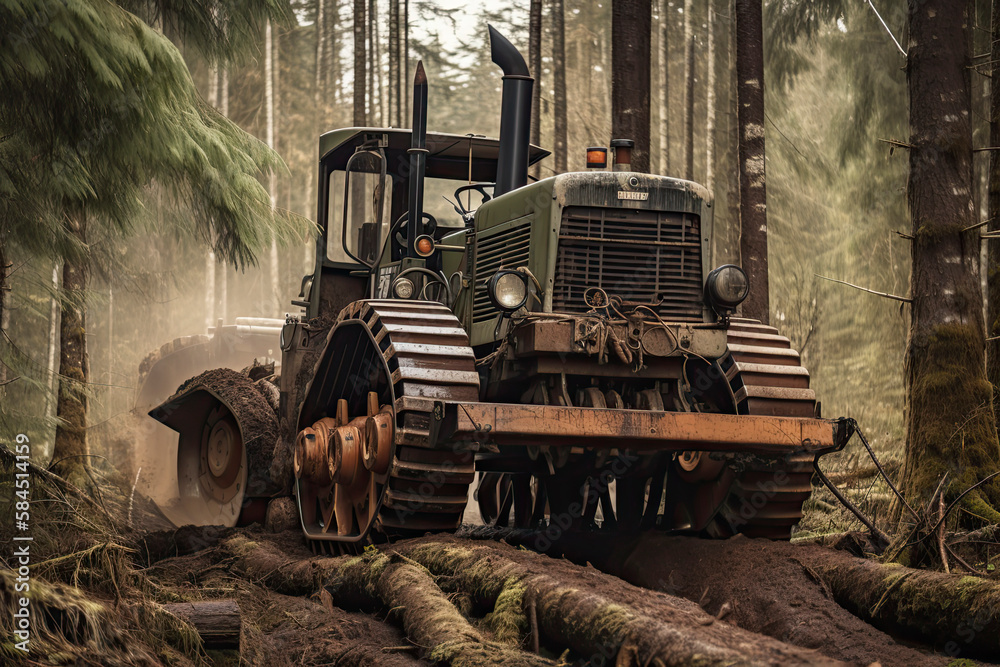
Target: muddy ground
(756,585)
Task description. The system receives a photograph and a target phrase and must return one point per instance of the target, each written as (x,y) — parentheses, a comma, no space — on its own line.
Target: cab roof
(447,154)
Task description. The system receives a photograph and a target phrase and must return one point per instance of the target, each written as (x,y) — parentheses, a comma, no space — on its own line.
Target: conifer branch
(904,299)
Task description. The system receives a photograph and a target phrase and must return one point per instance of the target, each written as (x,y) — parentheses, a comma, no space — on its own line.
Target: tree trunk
(210,289)
(631,22)
(53,338)
(710,104)
(753,196)
(370,55)
(320,92)
(218,622)
(394,86)
(949,611)
(70,453)
(429,618)
(606,622)
(383,116)
(664,53)
(950,420)
(993,214)
(331,44)
(689,94)
(599,626)
(535,67)
(360,117)
(725,246)
(270,66)
(4,316)
(559,79)
(222,275)
(406,61)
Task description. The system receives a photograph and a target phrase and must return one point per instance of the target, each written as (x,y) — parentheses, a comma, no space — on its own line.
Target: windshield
(364,235)
(439,200)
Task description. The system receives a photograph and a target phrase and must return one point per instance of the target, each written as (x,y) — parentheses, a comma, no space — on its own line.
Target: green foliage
(221,30)
(99,105)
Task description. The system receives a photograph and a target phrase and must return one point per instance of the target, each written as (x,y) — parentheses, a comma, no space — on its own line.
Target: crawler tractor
(566,345)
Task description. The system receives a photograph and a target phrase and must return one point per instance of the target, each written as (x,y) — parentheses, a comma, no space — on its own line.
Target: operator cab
(363,186)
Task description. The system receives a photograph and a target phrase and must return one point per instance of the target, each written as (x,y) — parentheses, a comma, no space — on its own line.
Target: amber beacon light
(597,157)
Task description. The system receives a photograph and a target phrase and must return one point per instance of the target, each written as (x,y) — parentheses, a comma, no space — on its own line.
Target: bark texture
(535,67)
(559,79)
(360,61)
(4,317)
(594,625)
(395,79)
(689,90)
(631,22)
(710,103)
(993,213)
(664,53)
(950,422)
(218,622)
(753,195)
(70,452)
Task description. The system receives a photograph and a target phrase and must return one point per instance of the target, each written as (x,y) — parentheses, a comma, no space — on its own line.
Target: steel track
(767,378)
(426,357)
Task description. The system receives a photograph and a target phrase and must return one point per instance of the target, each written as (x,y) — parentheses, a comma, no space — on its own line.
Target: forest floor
(754,585)
(106,565)
(105,568)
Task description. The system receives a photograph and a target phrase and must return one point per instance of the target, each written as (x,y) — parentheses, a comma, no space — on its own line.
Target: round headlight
(402,288)
(508,290)
(727,286)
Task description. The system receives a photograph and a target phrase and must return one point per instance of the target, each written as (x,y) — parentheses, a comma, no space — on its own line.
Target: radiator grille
(641,256)
(508,250)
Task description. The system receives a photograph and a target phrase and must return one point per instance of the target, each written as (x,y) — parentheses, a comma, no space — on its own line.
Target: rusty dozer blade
(226,435)
(515,424)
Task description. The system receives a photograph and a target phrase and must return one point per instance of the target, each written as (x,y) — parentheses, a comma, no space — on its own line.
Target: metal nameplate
(639,196)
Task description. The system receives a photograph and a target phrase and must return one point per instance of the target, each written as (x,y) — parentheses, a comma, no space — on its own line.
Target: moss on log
(428,617)
(597,627)
(958,614)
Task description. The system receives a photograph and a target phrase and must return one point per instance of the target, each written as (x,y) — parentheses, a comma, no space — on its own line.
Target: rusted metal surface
(388,361)
(514,424)
(576,335)
(648,257)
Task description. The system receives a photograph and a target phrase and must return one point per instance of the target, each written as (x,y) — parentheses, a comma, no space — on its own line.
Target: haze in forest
(835,194)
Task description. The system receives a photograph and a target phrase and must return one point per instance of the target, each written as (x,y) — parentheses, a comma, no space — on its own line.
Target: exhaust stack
(418,160)
(515,114)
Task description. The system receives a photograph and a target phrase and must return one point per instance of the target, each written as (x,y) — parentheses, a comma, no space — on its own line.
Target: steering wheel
(430,226)
(478,187)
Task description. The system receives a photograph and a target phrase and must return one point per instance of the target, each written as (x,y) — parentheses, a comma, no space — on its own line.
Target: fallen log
(957,614)
(595,626)
(428,617)
(636,628)
(377,582)
(218,622)
(771,588)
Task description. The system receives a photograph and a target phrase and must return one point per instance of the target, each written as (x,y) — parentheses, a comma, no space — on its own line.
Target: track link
(767,378)
(425,356)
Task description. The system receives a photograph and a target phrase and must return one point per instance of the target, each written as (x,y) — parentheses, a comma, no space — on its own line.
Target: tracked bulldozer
(565,346)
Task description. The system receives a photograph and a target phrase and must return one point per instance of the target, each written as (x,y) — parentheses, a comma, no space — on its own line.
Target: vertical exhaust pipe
(418,160)
(515,114)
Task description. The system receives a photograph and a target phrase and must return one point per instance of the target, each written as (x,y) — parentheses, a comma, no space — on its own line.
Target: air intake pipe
(515,115)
